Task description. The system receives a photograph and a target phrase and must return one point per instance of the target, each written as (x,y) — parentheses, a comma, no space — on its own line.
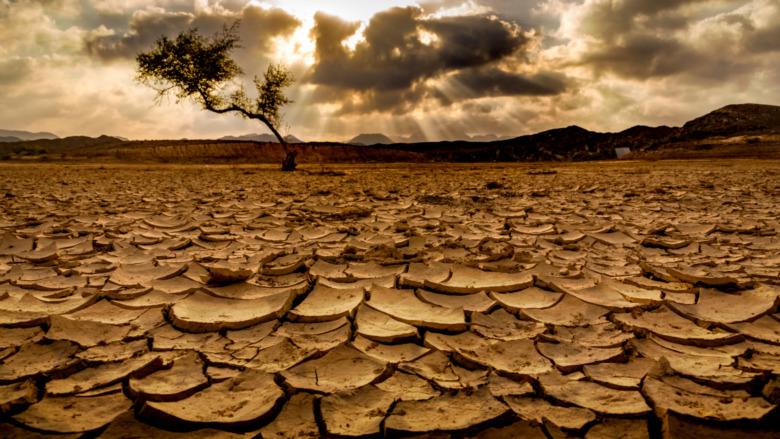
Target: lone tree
(200,68)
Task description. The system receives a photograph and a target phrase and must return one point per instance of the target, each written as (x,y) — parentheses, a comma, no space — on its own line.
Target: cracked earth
(593,300)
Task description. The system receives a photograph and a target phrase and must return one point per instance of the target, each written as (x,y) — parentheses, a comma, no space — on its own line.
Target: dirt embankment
(196,152)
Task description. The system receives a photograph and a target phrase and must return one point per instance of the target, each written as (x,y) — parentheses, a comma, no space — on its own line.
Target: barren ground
(610,299)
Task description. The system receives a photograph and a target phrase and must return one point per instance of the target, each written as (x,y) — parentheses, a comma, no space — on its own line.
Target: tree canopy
(201,68)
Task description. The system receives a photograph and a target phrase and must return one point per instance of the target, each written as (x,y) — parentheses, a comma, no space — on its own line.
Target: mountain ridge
(577,143)
(370,139)
(732,131)
(744,117)
(262,138)
(25,135)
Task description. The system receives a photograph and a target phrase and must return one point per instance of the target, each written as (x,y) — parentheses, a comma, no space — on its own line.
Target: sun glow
(467,8)
(426,37)
(298,47)
(351,10)
(356,38)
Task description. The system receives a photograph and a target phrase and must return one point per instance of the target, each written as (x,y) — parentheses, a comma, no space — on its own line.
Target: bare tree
(201,68)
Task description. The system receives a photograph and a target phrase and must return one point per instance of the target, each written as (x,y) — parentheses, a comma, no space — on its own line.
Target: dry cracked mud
(596,300)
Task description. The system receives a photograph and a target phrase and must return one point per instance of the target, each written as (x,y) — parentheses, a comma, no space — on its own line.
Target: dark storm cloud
(393,57)
(391,101)
(396,102)
(474,41)
(258,27)
(643,39)
(763,40)
(644,56)
(387,72)
(145,28)
(496,82)
(329,32)
(608,20)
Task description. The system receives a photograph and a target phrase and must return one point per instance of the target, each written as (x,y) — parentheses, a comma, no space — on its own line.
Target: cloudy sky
(438,69)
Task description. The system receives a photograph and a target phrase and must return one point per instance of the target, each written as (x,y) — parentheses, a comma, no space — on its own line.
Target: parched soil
(603,299)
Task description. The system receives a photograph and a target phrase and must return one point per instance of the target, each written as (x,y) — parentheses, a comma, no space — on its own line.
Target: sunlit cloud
(463,9)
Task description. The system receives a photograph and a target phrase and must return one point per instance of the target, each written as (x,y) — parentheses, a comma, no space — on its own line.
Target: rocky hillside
(734,130)
(735,119)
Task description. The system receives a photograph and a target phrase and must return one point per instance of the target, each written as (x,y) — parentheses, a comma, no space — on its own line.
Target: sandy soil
(612,299)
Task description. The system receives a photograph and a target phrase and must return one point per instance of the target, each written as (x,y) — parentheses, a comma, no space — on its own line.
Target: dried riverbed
(592,300)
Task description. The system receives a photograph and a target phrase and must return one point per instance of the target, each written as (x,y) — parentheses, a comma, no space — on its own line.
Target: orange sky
(437,69)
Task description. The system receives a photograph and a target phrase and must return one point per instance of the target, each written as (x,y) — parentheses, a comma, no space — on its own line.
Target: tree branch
(207,103)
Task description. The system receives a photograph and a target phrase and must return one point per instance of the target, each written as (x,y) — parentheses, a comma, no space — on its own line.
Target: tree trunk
(288,163)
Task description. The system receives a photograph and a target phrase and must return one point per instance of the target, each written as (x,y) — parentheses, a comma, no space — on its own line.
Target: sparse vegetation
(27,150)
(201,69)
(19,150)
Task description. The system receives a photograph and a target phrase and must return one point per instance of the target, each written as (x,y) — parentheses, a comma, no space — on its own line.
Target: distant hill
(9,139)
(734,131)
(26,135)
(262,138)
(66,145)
(370,139)
(487,138)
(419,137)
(735,119)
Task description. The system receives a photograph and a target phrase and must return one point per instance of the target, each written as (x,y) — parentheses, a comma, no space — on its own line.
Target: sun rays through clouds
(416,70)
